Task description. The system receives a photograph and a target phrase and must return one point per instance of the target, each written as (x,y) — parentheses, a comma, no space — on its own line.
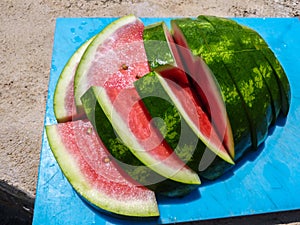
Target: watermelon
(91,171)
(157,36)
(251,88)
(162,54)
(240,125)
(115,58)
(242,42)
(125,127)
(63,99)
(190,133)
(250,40)
(249,36)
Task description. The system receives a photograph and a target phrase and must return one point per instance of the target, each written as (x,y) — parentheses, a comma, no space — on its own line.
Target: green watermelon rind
(240,125)
(80,82)
(76,178)
(157,47)
(252,85)
(167,93)
(163,61)
(257,109)
(282,79)
(254,40)
(251,42)
(65,79)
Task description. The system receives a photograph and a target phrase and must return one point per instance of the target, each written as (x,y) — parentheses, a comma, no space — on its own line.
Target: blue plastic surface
(265,181)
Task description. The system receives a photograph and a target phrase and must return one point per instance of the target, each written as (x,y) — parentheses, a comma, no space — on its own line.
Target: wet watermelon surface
(265,181)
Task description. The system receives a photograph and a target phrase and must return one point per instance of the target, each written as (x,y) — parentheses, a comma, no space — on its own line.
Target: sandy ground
(26,39)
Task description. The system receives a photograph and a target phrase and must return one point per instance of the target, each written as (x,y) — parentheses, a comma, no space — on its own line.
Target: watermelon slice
(64,103)
(88,167)
(241,40)
(157,36)
(187,34)
(193,122)
(245,74)
(162,54)
(115,58)
(250,36)
(123,123)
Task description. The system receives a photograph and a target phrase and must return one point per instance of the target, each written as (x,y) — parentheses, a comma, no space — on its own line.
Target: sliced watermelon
(125,128)
(187,33)
(116,58)
(282,78)
(239,41)
(284,86)
(63,100)
(244,72)
(251,40)
(193,123)
(168,64)
(88,167)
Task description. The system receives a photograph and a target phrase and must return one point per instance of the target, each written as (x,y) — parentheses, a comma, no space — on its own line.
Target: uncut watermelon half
(88,167)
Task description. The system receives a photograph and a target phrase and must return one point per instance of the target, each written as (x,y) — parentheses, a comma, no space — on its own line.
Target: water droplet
(53,68)
(77,39)
(80,27)
(72,30)
(83,23)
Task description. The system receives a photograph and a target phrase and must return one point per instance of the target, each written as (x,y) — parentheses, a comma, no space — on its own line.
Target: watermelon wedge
(250,39)
(123,123)
(64,103)
(260,44)
(167,63)
(196,135)
(187,34)
(242,41)
(115,58)
(250,83)
(162,54)
(88,167)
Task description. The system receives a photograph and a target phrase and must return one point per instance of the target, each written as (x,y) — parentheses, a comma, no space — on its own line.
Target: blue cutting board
(265,181)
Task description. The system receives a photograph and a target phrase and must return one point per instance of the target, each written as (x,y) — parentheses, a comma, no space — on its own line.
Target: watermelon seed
(138,76)
(89,130)
(124,67)
(106,159)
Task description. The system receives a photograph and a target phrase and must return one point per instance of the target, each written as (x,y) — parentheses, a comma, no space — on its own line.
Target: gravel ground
(26,39)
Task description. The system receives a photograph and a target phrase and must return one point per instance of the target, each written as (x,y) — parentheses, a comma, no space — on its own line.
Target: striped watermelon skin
(186,34)
(241,54)
(252,43)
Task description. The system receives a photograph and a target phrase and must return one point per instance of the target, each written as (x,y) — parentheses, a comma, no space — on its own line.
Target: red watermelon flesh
(117,61)
(121,59)
(88,166)
(190,104)
(129,106)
